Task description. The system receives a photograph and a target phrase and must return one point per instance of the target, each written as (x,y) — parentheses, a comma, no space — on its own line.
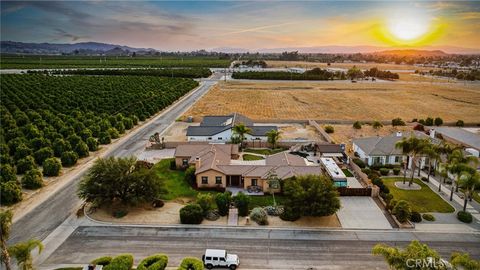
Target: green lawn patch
(265,200)
(422,201)
(251,157)
(174,181)
(347,173)
(264,151)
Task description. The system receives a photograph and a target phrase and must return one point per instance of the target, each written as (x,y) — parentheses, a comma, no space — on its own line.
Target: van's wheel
(233,267)
(209,266)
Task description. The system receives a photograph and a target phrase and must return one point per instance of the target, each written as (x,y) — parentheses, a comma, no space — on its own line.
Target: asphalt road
(257,248)
(43,219)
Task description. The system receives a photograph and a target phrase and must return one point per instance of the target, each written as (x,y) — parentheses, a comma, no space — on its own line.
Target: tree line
(313,74)
(169,72)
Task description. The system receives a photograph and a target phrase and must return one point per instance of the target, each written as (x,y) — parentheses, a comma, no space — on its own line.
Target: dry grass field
(302,64)
(342,100)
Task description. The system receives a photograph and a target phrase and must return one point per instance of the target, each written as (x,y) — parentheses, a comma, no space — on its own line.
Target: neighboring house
(184,152)
(215,168)
(462,136)
(220,129)
(382,150)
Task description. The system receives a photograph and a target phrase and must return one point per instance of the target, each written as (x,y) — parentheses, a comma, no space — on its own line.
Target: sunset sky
(251,25)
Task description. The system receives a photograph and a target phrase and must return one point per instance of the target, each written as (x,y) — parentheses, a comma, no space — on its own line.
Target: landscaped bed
(265,151)
(347,173)
(423,200)
(251,157)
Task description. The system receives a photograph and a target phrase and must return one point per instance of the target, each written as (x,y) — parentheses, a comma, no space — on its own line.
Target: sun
(408,28)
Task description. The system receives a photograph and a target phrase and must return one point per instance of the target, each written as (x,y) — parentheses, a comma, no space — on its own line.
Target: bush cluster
(154,262)
(428,217)
(51,167)
(241,202)
(384,171)
(259,215)
(360,163)
(222,200)
(416,217)
(464,217)
(191,264)
(402,211)
(32,179)
(329,129)
(191,214)
(120,262)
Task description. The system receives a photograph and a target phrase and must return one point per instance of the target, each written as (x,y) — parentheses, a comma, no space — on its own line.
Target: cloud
(61,34)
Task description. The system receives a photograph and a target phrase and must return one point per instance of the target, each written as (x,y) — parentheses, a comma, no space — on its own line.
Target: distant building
(461,136)
(220,129)
(382,150)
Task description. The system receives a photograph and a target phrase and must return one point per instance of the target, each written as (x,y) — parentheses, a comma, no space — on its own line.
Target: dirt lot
(296,131)
(301,64)
(342,100)
(178,131)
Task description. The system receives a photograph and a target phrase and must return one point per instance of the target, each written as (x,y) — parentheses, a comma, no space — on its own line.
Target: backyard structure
(382,151)
(334,171)
(220,129)
(215,168)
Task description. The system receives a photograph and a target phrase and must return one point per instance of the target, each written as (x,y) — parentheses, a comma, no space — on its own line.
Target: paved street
(257,248)
(44,218)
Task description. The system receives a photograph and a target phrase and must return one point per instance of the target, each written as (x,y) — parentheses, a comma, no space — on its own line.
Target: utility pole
(225,77)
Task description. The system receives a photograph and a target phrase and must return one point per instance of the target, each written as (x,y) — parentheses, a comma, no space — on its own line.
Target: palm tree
(432,152)
(413,147)
(241,130)
(5,224)
(273,137)
(443,170)
(22,253)
(458,163)
(468,182)
(404,144)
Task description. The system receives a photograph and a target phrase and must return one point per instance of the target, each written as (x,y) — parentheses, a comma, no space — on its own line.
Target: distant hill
(417,53)
(59,48)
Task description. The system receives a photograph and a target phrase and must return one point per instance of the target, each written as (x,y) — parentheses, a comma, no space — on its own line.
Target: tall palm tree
(458,163)
(468,182)
(22,253)
(432,152)
(443,170)
(241,130)
(404,144)
(5,224)
(273,136)
(413,147)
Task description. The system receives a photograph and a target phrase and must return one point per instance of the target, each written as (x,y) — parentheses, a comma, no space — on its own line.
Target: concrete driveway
(361,213)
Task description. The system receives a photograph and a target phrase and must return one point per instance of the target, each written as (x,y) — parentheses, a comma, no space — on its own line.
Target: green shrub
(82,149)
(32,179)
(464,217)
(173,165)
(402,211)
(460,123)
(398,122)
(119,213)
(121,262)
(191,264)
(113,132)
(69,158)
(25,164)
(391,204)
(438,121)
(429,121)
(366,171)
(104,138)
(11,193)
(359,162)
(387,197)
(105,260)
(384,171)
(357,125)
(205,201)
(416,217)
(396,171)
(259,215)
(377,125)
(191,214)
(290,214)
(223,202)
(154,262)
(241,202)
(424,179)
(42,154)
(329,129)
(428,217)
(51,167)
(190,175)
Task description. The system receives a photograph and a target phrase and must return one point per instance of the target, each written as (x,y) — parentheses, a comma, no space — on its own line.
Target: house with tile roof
(382,150)
(220,129)
(215,168)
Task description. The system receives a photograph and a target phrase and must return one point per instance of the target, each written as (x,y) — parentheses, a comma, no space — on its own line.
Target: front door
(235,180)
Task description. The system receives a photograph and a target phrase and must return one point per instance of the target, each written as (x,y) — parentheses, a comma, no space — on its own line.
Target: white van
(220,258)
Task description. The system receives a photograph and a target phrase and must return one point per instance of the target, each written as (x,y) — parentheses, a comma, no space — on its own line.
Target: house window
(185,162)
(204,179)
(254,182)
(397,159)
(257,138)
(209,138)
(219,138)
(218,180)
(377,160)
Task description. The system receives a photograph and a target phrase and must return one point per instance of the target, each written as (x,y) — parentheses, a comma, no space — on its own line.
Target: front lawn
(264,151)
(423,200)
(251,157)
(265,200)
(174,181)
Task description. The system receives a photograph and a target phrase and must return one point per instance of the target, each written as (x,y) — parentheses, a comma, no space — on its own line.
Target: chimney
(399,134)
(198,162)
(432,133)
